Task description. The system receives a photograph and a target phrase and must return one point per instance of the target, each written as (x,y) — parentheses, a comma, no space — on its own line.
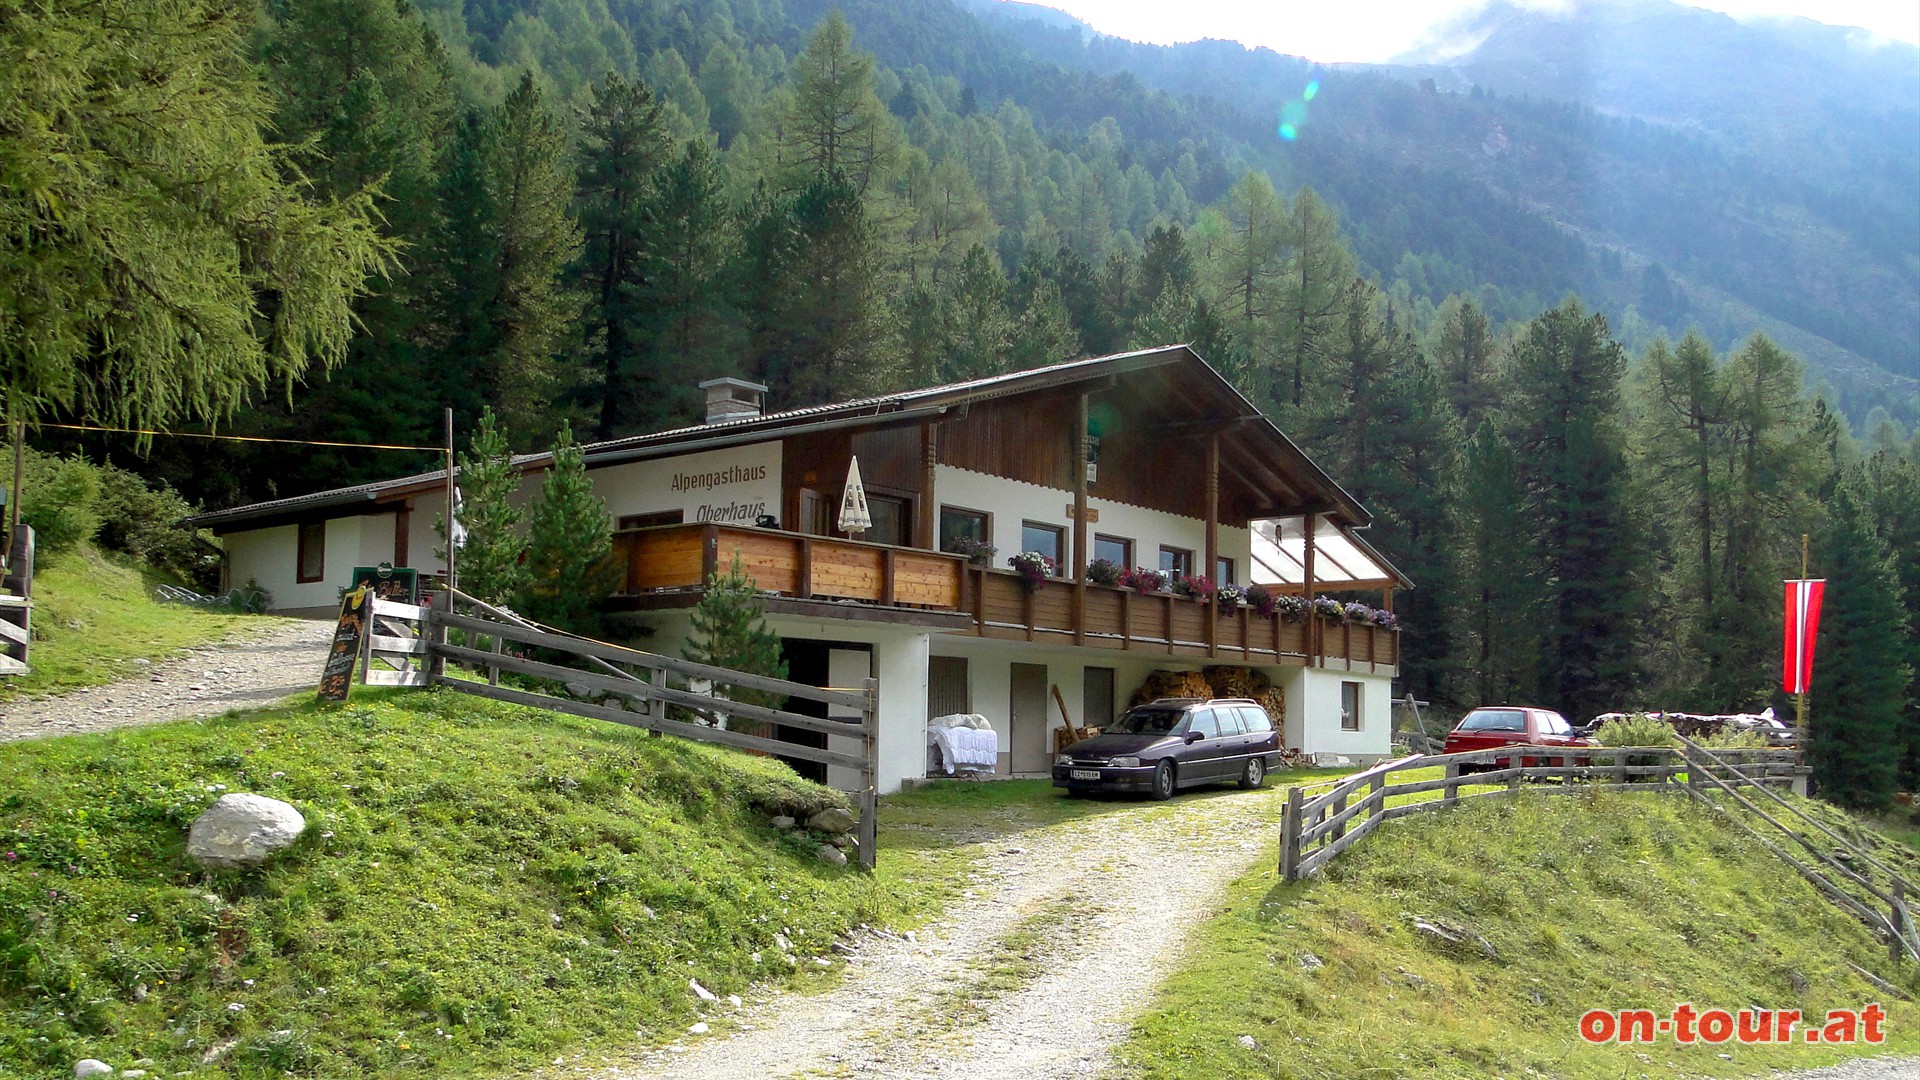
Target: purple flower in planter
(1034,569)
(1357,613)
(1292,608)
(1328,607)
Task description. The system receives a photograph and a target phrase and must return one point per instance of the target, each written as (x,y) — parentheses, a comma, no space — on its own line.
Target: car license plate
(1086,774)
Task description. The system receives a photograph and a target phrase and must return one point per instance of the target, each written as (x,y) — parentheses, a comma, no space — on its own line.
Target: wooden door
(1027,710)
(1096,697)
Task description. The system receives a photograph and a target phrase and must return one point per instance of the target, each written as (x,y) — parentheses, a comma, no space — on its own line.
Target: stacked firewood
(1161,684)
(1216,682)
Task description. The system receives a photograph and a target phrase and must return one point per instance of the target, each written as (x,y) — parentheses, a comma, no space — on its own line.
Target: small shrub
(60,499)
(1105,572)
(1732,738)
(1636,730)
(251,598)
(144,522)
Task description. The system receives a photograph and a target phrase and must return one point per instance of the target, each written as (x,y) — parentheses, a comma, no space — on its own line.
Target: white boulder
(242,831)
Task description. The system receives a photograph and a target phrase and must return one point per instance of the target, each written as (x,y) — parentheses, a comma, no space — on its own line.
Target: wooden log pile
(1219,681)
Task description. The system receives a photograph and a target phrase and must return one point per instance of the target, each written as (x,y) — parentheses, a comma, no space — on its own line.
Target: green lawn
(92,613)
(480,887)
(1602,900)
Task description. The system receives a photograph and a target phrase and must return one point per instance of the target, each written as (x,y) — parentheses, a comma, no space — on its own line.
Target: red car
(1513,725)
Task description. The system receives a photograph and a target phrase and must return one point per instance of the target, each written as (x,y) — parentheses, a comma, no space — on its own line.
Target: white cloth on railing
(962,745)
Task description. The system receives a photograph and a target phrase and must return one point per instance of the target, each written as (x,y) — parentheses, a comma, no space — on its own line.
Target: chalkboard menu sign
(348,636)
(400,584)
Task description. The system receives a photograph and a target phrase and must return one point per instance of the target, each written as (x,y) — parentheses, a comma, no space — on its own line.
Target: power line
(245,438)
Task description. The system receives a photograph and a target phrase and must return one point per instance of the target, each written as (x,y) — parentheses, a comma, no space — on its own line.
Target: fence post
(1450,793)
(493,672)
(437,636)
(870,788)
(1379,795)
(1693,771)
(1899,920)
(1290,837)
(1339,806)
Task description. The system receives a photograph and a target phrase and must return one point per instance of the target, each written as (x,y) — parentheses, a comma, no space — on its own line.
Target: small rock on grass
(698,1029)
(783,822)
(87,1067)
(1247,1041)
(702,992)
(831,855)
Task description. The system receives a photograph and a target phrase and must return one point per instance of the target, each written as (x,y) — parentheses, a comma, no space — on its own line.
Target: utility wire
(245,438)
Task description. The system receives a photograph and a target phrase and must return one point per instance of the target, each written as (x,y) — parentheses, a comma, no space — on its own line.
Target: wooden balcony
(666,566)
(680,558)
(1168,625)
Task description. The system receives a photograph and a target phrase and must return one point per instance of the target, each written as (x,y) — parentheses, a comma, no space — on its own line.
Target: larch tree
(1319,269)
(829,120)
(160,259)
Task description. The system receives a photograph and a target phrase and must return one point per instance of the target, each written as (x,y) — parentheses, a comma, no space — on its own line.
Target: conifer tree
(1860,676)
(1500,585)
(684,290)
(1894,484)
(1464,352)
(1319,269)
(158,261)
(730,631)
(507,197)
(623,144)
(1571,458)
(830,122)
(569,545)
(491,560)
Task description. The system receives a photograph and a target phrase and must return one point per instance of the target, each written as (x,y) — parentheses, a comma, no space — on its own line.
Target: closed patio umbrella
(854,517)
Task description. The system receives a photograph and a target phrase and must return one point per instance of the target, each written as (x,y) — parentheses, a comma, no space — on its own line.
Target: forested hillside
(586,206)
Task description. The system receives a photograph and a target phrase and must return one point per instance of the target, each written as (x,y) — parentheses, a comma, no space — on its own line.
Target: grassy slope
(479,886)
(1601,901)
(93,612)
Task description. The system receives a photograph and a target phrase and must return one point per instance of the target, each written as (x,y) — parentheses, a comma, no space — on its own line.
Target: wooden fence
(1733,783)
(16,605)
(627,686)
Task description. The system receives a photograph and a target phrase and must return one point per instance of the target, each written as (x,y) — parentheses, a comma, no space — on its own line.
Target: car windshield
(1495,720)
(1148,722)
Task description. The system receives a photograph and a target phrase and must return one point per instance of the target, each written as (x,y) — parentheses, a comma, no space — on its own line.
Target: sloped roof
(1256,440)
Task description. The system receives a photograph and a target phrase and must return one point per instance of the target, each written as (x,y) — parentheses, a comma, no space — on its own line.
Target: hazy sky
(1372,30)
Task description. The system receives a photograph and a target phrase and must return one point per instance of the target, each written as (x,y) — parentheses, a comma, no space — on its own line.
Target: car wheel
(1163,781)
(1254,774)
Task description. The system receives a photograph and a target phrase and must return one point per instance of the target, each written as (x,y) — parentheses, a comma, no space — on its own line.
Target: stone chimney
(733,399)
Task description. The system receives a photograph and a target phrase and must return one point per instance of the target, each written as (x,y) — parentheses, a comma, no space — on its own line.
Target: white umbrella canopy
(854,516)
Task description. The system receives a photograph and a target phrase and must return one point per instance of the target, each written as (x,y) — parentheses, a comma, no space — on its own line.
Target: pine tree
(1571,456)
(507,195)
(491,561)
(1500,585)
(730,631)
(569,545)
(1463,351)
(1861,673)
(623,144)
(684,289)
(1894,485)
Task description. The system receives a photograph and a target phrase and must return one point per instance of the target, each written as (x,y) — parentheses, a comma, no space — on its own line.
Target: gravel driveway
(1036,972)
(282,657)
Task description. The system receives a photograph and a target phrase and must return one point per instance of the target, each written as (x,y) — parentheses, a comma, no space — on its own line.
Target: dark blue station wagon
(1173,743)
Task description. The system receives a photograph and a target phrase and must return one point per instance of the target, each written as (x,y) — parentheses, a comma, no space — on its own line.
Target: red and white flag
(1803,624)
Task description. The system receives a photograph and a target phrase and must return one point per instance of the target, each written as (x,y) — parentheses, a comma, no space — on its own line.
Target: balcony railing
(674,560)
(1165,623)
(673,557)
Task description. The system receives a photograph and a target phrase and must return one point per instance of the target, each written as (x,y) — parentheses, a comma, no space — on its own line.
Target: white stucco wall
(1313,713)
(1013,501)
(735,485)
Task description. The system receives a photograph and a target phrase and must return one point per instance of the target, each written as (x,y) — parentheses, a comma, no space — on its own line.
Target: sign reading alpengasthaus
(731,487)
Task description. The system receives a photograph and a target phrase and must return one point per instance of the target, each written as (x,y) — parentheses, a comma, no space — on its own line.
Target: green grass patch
(1596,900)
(92,613)
(479,887)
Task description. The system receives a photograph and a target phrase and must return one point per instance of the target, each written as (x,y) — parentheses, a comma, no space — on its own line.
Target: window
(313,552)
(1117,550)
(892,520)
(1349,706)
(1255,719)
(1552,723)
(957,524)
(1229,721)
(1176,561)
(648,521)
(1223,571)
(1203,722)
(1045,539)
(1495,720)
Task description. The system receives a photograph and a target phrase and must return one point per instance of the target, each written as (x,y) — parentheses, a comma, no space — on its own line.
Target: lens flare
(1293,115)
(1312,89)
(1289,132)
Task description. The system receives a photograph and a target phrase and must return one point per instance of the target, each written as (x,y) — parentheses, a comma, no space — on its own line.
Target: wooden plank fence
(594,679)
(1737,784)
(16,605)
